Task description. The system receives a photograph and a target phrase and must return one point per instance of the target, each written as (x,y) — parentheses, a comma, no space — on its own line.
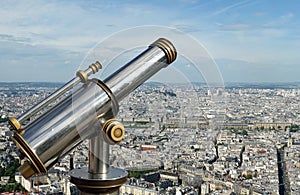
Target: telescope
(87,113)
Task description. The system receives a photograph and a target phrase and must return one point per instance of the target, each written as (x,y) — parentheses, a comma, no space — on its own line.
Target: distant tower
(204,188)
(67,190)
(219,92)
(240,92)
(251,190)
(175,164)
(71,161)
(208,92)
(289,142)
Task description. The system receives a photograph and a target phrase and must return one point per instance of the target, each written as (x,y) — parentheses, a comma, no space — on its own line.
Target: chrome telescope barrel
(81,115)
(126,79)
(81,76)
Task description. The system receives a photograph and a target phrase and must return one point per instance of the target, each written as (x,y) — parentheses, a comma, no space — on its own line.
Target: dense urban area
(180,139)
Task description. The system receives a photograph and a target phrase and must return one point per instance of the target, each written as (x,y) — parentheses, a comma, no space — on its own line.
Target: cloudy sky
(251,41)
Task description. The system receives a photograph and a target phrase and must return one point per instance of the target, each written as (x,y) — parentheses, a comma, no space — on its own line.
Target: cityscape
(218,112)
(179,139)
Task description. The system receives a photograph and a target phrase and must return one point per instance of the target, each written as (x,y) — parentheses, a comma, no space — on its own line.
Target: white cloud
(74,26)
(238,27)
(229,7)
(11,38)
(49,24)
(272,33)
(281,20)
(286,18)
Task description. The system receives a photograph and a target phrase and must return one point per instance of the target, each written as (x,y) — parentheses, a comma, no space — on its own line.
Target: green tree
(2,170)
(10,171)
(245,132)
(248,176)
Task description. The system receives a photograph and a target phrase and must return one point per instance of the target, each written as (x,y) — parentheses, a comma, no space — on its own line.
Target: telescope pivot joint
(114,130)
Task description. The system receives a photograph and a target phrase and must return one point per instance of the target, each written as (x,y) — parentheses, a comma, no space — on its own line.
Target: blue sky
(251,41)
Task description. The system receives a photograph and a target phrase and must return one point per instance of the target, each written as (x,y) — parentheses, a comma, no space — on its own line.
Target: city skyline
(169,131)
(251,41)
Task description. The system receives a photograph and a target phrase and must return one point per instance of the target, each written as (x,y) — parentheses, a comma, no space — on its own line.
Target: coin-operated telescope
(88,113)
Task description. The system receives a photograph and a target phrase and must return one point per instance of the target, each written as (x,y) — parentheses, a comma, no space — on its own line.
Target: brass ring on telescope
(167,47)
(14,123)
(95,66)
(36,164)
(109,93)
(82,75)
